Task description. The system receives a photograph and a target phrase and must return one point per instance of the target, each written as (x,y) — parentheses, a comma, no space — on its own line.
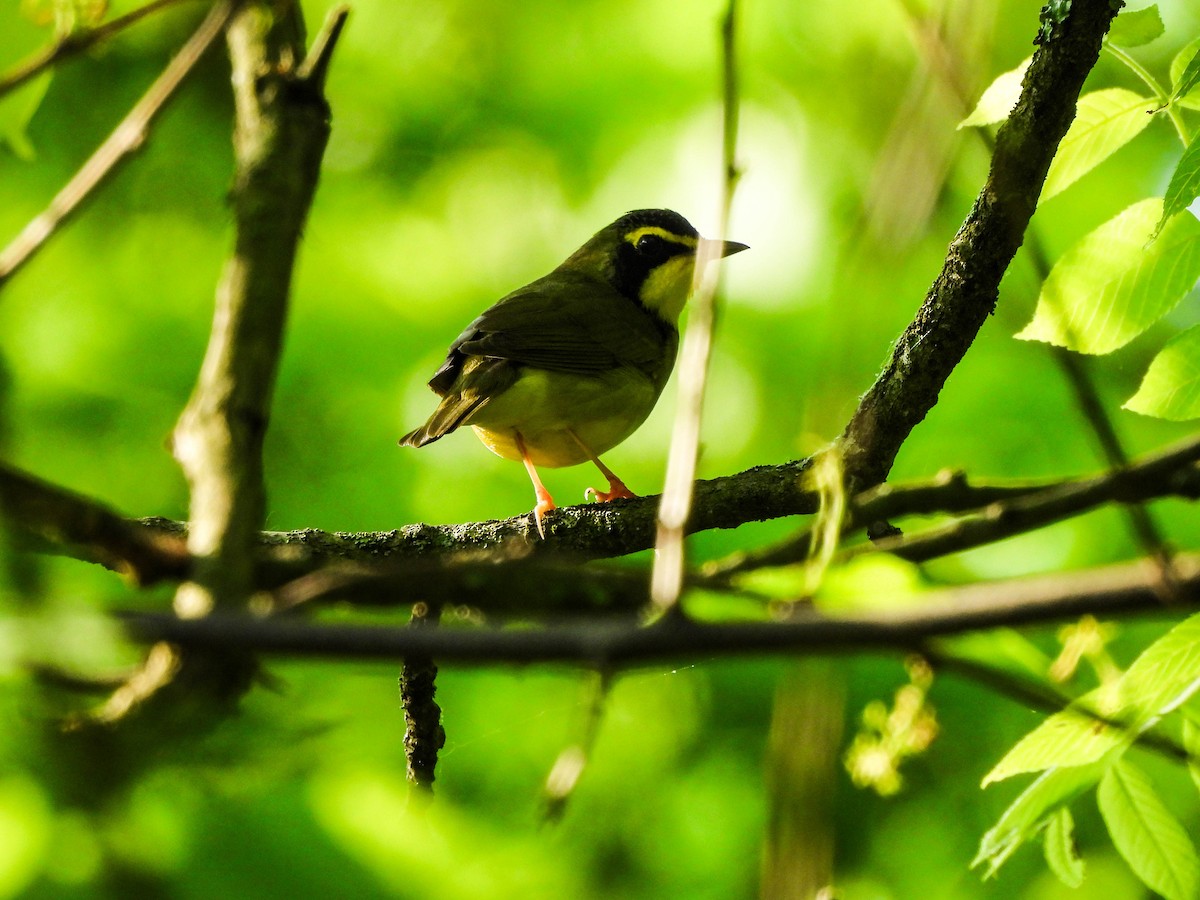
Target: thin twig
(998,511)
(667,579)
(572,761)
(424,735)
(1044,697)
(73,44)
(1141,522)
(125,139)
(316,64)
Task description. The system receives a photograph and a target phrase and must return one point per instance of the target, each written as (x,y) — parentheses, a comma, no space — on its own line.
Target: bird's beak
(710,249)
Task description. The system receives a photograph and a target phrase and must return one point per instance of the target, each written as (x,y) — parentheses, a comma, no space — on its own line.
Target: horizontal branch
(152,549)
(580,533)
(57,520)
(1107,591)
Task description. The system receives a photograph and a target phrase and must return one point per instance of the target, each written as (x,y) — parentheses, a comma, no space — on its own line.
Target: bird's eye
(649,244)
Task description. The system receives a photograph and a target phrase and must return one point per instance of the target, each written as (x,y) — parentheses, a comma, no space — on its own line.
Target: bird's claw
(616,491)
(543,506)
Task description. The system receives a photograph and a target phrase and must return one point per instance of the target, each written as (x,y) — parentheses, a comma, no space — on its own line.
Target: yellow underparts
(545,407)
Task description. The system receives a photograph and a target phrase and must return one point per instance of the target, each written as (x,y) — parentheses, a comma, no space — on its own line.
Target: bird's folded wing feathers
(563,328)
(483,379)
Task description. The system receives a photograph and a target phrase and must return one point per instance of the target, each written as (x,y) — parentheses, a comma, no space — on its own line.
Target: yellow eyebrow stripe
(683,240)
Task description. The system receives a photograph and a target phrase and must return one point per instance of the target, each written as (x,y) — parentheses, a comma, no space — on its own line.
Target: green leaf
(1191,743)
(1185,76)
(1059,846)
(1110,286)
(1163,677)
(999,98)
(1105,121)
(1146,834)
(1185,184)
(1029,813)
(1171,387)
(1133,28)
(1069,738)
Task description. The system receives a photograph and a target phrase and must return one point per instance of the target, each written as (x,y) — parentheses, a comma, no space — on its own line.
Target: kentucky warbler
(567,367)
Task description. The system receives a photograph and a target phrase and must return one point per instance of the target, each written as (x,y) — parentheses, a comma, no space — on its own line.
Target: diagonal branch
(964,293)
(282,126)
(73,44)
(125,139)
(60,521)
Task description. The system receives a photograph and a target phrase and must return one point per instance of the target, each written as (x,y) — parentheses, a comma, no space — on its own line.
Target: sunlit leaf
(1112,285)
(1185,183)
(1133,28)
(1191,743)
(1185,76)
(1069,738)
(1171,386)
(1105,121)
(999,98)
(1145,833)
(1163,677)
(1059,846)
(1029,813)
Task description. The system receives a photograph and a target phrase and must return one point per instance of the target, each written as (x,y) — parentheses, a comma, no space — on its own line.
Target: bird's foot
(616,491)
(544,505)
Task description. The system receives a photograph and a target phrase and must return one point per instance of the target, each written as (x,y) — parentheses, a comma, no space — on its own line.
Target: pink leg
(616,487)
(545,502)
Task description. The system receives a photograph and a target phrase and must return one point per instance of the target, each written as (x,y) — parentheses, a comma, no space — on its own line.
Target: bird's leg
(545,502)
(616,487)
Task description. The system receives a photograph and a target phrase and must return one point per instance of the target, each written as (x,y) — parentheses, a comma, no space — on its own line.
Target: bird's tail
(419,437)
(451,413)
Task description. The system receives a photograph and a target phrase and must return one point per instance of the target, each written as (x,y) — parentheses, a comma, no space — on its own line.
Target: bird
(570,365)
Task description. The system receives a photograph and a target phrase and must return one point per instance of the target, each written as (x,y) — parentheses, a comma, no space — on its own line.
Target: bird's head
(649,256)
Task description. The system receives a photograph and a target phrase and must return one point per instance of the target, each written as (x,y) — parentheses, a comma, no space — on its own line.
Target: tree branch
(125,139)
(73,44)
(282,126)
(965,292)
(58,521)
(1125,588)
(1000,510)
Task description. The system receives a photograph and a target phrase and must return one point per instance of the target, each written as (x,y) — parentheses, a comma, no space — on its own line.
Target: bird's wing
(580,327)
(482,379)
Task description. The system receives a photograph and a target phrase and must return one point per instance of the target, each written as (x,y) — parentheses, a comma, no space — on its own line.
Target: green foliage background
(474,145)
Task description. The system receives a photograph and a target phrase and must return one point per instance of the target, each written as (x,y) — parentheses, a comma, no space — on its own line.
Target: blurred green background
(474,145)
